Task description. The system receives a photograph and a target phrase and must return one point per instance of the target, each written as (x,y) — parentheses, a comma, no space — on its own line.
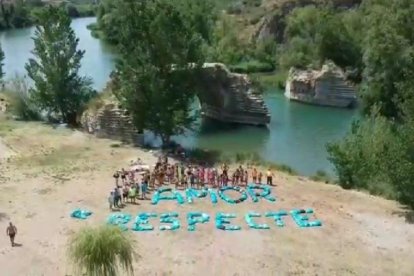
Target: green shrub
(235,8)
(21,104)
(104,250)
(359,159)
(72,11)
(271,80)
(253,66)
(321,176)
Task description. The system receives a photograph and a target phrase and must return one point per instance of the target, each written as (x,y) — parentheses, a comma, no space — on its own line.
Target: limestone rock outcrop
(110,121)
(230,97)
(223,96)
(273,25)
(327,87)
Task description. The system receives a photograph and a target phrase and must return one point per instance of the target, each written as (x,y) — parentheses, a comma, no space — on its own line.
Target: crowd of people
(135,183)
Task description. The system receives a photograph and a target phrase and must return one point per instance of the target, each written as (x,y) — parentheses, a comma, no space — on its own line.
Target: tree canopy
(316,34)
(58,88)
(378,153)
(161,51)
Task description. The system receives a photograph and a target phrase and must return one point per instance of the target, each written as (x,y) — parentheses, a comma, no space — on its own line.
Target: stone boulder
(327,87)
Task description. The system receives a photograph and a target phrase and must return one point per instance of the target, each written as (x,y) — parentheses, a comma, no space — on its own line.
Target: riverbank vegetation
(157,58)
(378,153)
(378,58)
(305,36)
(23,13)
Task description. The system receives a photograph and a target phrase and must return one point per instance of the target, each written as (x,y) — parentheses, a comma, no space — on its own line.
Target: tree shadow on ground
(3,216)
(407,213)
(198,156)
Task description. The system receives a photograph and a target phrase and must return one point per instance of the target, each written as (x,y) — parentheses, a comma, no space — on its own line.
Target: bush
(235,8)
(252,66)
(360,158)
(321,176)
(72,11)
(271,80)
(85,10)
(102,251)
(21,104)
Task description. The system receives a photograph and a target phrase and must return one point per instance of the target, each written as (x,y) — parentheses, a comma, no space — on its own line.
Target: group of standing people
(198,176)
(129,186)
(134,184)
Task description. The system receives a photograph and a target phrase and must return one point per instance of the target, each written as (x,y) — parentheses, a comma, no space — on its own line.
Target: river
(296,136)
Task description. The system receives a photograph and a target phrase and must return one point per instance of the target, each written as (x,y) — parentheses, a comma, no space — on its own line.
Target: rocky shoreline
(325,87)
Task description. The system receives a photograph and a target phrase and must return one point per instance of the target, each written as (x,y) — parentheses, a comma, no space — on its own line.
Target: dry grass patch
(57,162)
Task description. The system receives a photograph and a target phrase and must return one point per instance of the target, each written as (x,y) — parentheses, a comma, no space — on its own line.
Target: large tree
(58,88)
(378,154)
(316,34)
(161,51)
(388,55)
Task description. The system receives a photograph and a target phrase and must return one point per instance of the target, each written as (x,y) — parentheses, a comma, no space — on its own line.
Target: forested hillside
(22,13)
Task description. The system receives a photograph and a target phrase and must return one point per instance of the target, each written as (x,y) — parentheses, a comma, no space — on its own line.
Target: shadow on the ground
(3,216)
(17,245)
(407,213)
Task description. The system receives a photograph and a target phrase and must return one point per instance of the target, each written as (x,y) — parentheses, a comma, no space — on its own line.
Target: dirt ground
(45,173)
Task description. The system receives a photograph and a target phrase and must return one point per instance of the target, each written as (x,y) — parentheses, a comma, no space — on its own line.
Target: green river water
(296,136)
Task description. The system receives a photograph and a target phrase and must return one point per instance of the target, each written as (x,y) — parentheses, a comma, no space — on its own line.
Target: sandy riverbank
(54,171)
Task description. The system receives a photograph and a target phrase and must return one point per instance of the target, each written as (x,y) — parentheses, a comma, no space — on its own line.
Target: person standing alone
(269,178)
(11,232)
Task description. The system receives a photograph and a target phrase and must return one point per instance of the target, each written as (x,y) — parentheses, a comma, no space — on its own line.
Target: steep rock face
(110,122)
(223,96)
(273,26)
(230,97)
(326,87)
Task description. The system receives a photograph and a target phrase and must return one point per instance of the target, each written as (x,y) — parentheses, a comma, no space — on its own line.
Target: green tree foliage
(102,251)
(378,154)
(108,21)
(1,64)
(21,104)
(58,88)
(241,55)
(388,54)
(201,14)
(14,14)
(228,47)
(161,52)
(358,158)
(316,34)
(22,13)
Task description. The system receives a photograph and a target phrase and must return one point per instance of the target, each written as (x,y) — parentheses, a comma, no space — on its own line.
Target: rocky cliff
(230,97)
(223,96)
(273,24)
(326,87)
